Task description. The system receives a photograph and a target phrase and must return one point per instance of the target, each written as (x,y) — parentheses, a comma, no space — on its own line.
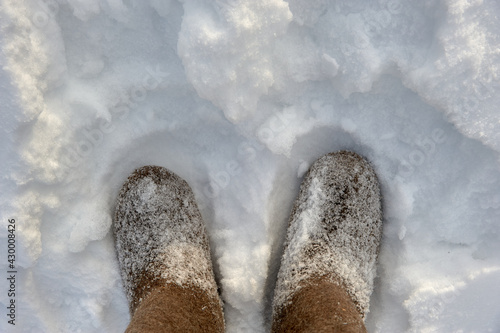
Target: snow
(239,97)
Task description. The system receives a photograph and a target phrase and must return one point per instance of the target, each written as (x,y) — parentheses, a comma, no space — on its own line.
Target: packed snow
(239,97)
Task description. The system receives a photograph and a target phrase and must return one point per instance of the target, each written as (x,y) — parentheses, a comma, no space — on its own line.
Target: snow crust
(238,97)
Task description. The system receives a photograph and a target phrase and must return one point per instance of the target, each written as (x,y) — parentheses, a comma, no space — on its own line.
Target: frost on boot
(162,246)
(334,232)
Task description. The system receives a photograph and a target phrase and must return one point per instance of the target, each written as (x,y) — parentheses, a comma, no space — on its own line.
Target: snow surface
(239,97)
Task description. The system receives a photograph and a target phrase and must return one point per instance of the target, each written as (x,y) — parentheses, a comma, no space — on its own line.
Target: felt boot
(328,266)
(164,256)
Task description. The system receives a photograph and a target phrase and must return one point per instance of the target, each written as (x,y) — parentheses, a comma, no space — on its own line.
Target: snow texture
(239,97)
(334,231)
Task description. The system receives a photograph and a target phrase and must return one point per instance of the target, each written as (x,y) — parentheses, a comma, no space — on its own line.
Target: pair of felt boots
(327,269)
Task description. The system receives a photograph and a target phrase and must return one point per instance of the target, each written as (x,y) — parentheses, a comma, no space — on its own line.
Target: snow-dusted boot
(164,255)
(328,266)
